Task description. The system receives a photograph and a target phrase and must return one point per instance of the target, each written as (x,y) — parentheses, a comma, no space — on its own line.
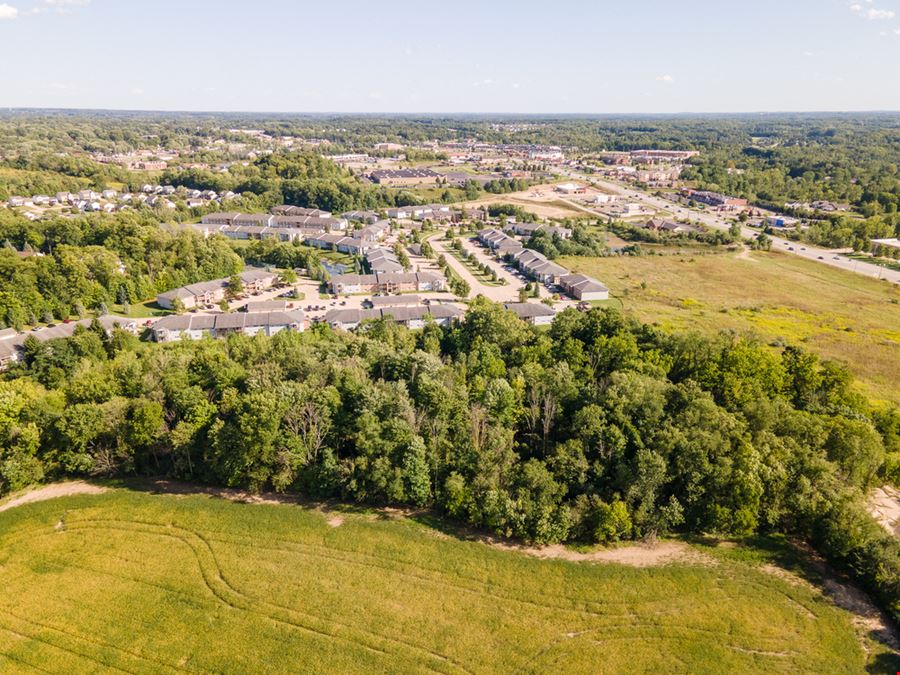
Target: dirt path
(53,491)
(884,505)
(633,555)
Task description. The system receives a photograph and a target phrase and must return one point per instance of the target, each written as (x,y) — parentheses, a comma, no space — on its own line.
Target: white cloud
(856,7)
(68,3)
(809,54)
(487,82)
(137,91)
(8,12)
(897,31)
(668,79)
(878,14)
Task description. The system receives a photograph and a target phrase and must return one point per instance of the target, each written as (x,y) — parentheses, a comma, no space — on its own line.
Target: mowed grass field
(157,583)
(781,298)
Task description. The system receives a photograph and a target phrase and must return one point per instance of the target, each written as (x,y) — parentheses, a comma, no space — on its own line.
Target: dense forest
(597,430)
(71,265)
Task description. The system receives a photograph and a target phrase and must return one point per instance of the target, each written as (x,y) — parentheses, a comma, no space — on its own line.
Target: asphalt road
(718,221)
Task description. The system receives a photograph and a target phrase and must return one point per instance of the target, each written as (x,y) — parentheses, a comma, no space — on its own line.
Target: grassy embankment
(148,583)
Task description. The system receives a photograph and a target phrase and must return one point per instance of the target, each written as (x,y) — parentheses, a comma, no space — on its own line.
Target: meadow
(154,583)
(780,298)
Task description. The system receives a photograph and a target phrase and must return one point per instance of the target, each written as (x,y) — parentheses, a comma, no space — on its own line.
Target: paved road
(718,221)
(508,293)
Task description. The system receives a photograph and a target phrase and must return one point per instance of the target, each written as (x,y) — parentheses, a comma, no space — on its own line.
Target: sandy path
(884,505)
(76,487)
(633,555)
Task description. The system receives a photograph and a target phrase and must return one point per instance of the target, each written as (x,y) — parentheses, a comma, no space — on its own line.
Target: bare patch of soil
(884,505)
(634,555)
(76,487)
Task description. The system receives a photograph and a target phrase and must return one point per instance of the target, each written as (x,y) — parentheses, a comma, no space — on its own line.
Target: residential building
(583,287)
(211,292)
(388,282)
(537,266)
(535,313)
(411,317)
(197,326)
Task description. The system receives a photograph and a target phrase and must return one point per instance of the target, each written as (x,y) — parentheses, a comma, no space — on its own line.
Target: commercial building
(405,177)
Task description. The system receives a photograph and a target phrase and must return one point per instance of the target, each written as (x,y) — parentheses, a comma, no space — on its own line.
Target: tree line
(600,429)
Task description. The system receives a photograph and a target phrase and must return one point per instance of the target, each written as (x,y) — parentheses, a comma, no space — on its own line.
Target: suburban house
(210,292)
(583,287)
(411,316)
(223,218)
(389,282)
(535,313)
(885,246)
(197,326)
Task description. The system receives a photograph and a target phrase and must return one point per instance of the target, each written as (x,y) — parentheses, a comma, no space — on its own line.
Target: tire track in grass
(67,650)
(380,561)
(222,589)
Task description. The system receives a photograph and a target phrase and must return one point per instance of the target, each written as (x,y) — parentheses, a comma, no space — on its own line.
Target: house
(500,243)
(405,177)
(535,313)
(197,326)
(583,287)
(414,316)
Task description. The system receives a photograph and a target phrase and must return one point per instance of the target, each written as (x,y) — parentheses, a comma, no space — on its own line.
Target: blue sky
(579,56)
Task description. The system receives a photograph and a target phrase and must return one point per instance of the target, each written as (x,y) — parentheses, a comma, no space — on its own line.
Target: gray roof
(529,310)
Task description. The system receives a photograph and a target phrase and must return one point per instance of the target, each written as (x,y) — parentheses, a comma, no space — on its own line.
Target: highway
(716,220)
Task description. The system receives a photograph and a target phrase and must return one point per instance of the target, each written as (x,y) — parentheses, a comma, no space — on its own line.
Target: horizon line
(425,113)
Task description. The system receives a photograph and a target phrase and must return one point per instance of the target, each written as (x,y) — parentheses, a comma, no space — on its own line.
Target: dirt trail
(634,555)
(76,487)
(884,505)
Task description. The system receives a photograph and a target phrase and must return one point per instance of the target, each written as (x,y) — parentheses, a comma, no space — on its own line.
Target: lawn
(148,583)
(783,299)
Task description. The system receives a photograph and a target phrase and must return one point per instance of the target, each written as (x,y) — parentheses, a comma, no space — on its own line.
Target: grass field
(155,583)
(781,298)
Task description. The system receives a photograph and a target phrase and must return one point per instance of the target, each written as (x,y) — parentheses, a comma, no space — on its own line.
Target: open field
(837,314)
(539,199)
(152,583)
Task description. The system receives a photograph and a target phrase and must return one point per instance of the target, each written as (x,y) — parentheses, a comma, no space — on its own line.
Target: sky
(577,56)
